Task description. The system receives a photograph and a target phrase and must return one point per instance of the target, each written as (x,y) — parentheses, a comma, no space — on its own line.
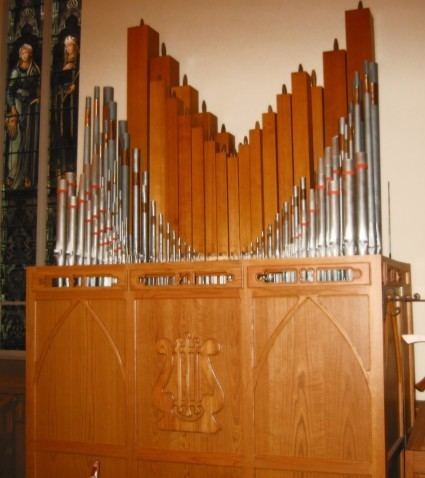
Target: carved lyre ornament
(187,391)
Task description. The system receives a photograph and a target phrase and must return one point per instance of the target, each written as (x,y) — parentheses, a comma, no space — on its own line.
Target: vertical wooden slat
(185,177)
(198,190)
(233,204)
(210,199)
(335,91)
(269,165)
(222,208)
(256,181)
(302,127)
(317,121)
(173,107)
(158,144)
(360,42)
(244,198)
(142,45)
(285,166)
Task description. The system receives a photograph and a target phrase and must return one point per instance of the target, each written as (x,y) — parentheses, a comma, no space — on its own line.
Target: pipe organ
(169,185)
(223,310)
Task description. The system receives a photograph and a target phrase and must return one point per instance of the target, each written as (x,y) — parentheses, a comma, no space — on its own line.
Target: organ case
(284,366)
(242,368)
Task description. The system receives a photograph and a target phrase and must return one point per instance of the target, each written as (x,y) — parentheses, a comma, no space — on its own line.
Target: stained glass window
(21,137)
(23,94)
(64,102)
(64,93)
(21,143)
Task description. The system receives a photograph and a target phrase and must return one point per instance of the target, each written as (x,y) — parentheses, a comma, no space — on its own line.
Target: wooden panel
(165,470)
(244,198)
(210,200)
(233,205)
(72,465)
(142,45)
(256,181)
(285,166)
(81,355)
(297,474)
(304,383)
(335,94)
(351,314)
(302,127)
(185,178)
(269,165)
(360,42)
(208,330)
(158,145)
(222,204)
(198,190)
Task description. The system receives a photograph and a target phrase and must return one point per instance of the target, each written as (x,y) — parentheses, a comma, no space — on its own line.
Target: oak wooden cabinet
(266,369)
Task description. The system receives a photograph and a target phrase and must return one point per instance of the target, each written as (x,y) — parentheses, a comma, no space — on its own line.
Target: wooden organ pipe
(185,176)
(174,108)
(256,180)
(142,46)
(244,196)
(285,166)
(360,42)
(198,190)
(165,68)
(302,127)
(207,121)
(188,96)
(335,89)
(269,166)
(211,249)
(222,192)
(225,141)
(317,120)
(233,204)
(157,162)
